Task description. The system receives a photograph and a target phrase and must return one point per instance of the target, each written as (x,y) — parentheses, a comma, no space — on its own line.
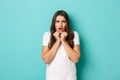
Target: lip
(60,30)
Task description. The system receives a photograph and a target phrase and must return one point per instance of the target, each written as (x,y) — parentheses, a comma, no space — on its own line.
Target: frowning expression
(60,24)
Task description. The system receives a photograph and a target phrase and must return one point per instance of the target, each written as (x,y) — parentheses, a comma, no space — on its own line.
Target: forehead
(59,17)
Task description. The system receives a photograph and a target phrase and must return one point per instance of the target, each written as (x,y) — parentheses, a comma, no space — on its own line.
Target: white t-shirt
(61,67)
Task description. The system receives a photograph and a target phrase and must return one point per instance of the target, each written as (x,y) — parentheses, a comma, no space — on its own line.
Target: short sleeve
(46,38)
(76,38)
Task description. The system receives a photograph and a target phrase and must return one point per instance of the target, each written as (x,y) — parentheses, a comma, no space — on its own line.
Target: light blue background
(23,23)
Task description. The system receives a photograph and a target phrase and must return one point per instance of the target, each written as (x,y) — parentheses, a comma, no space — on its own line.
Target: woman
(61,49)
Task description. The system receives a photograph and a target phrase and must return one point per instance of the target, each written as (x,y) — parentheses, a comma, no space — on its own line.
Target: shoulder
(47,33)
(76,38)
(75,33)
(46,38)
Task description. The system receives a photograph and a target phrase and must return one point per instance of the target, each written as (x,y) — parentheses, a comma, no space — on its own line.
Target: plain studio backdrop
(23,23)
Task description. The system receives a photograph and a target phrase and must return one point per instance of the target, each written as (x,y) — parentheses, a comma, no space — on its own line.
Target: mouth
(61,29)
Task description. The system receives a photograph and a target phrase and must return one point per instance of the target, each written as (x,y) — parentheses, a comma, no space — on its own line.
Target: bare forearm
(50,54)
(72,54)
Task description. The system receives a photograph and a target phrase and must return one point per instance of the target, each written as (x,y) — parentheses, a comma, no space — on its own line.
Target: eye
(57,21)
(64,21)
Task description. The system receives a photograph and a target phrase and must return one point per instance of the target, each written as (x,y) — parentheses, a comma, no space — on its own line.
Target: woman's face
(60,24)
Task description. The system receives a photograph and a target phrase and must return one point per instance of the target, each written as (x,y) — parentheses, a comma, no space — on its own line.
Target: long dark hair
(68,29)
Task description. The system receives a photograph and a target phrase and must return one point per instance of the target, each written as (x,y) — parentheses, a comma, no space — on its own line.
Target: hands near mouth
(60,36)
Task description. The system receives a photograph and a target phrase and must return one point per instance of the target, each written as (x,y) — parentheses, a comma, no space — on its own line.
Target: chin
(60,31)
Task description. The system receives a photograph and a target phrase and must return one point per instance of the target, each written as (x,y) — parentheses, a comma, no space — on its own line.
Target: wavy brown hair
(68,29)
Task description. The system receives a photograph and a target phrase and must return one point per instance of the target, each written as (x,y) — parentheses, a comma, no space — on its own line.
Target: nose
(61,24)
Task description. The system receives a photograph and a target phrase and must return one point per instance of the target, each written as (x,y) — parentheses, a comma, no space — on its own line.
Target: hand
(56,35)
(63,36)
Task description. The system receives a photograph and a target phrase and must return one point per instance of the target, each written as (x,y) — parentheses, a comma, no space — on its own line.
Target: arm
(49,54)
(73,54)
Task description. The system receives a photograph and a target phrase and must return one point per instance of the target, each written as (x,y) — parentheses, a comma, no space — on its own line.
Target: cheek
(56,27)
(65,26)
